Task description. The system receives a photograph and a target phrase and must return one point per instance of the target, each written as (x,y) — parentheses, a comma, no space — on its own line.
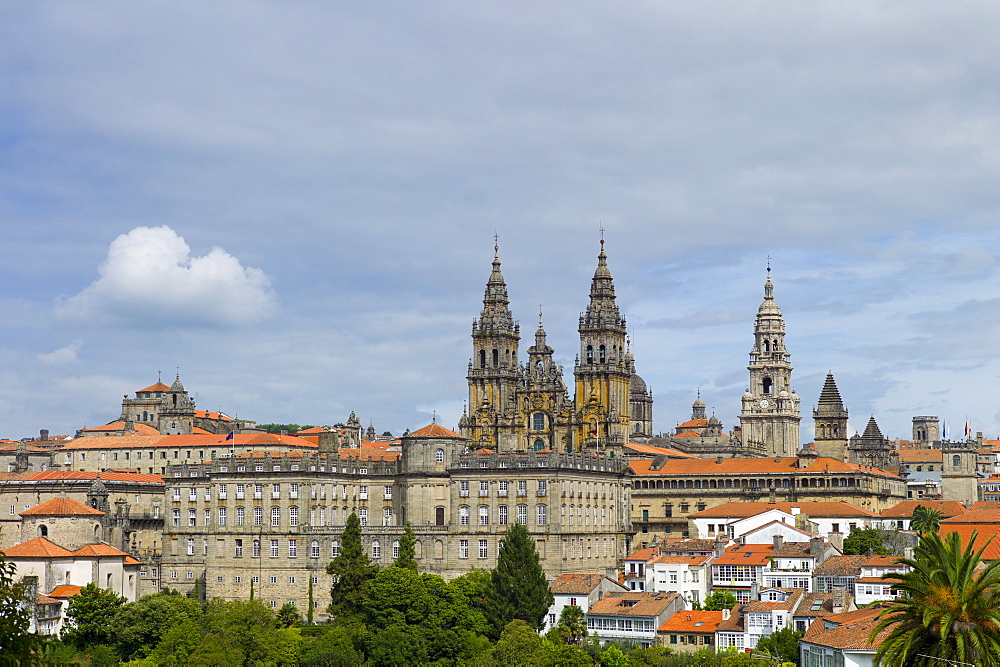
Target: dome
(698,403)
(177,385)
(713,420)
(782,394)
(637,385)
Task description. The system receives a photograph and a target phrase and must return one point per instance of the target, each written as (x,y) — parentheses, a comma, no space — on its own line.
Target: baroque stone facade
(275,519)
(515,406)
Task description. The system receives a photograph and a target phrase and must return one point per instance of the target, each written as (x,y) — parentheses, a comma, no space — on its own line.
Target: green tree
(334,648)
(613,656)
(177,644)
(288,616)
(572,626)
(407,549)
(925,519)
(89,616)
(518,588)
(309,611)
(948,610)
(517,644)
(139,626)
(719,600)
(352,571)
(863,541)
(783,644)
(247,630)
(16,642)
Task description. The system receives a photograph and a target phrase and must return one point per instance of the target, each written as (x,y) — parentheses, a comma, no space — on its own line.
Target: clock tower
(770,417)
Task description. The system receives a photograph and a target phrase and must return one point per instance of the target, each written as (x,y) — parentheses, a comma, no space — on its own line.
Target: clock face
(764,404)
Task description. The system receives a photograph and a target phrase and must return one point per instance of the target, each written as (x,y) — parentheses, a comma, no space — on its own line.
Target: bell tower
(604,368)
(770,417)
(830,419)
(493,371)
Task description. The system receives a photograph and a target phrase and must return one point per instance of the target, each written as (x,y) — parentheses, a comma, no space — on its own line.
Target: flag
(968,430)
(231,436)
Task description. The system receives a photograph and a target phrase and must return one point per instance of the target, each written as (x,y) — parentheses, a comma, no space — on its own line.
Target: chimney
(816,547)
(720,546)
(839,599)
(837,540)
(778,541)
(725,614)
(328,441)
(718,460)
(796,510)
(43,434)
(908,552)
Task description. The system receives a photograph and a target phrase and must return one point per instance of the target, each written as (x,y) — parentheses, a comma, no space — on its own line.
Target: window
(386,516)
(543,487)
(387,493)
(363,516)
(176,517)
(291,580)
(438,516)
(376,550)
(258,491)
(439,456)
(293,491)
(538,421)
(543,518)
(293,548)
(502,515)
(275,516)
(484,551)
(273,580)
(502,488)
(293,516)
(238,579)
(255,580)
(239,548)
(240,516)
(177,497)
(274,548)
(395,549)
(240,490)
(335,548)
(484,488)
(484,515)
(314,549)
(192,517)
(258,516)
(208,493)
(363,492)
(522,487)
(463,548)
(275,490)
(190,547)
(256,548)
(222,516)
(463,515)
(192,494)
(522,514)
(463,489)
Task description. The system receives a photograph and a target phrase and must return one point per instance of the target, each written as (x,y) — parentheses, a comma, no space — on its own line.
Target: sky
(293,205)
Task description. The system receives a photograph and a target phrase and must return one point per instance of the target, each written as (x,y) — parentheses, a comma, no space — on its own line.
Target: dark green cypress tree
(407,550)
(518,588)
(352,570)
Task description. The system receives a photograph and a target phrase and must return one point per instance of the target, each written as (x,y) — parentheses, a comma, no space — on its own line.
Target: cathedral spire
(496,315)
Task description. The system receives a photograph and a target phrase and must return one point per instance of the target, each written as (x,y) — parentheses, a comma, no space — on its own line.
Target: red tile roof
(693,423)
(688,434)
(575,584)
(643,554)
(759,554)
(433,430)
(98,550)
(989,516)
(79,475)
(657,451)
(880,561)
(62,507)
(140,428)
(693,621)
(920,455)
(64,591)
(854,635)
(632,604)
(749,466)
(159,386)
(904,509)
(38,547)
(205,414)
(738,510)
(986,534)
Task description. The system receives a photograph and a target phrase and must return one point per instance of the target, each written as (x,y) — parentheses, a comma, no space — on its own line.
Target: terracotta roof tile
(693,423)
(693,621)
(846,636)
(433,430)
(880,561)
(920,455)
(643,554)
(64,591)
(688,434)
(759,554)
(138,427)
(820,604)
(841,566)
(657,451)
(62,506)
(632,604)
(904,509)
(988,516)
(79,475)
(749,466)
(38,547)
(98,550)
(575,584)
(159,386)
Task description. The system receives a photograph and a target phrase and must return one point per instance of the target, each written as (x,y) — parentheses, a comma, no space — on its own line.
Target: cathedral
(520,406)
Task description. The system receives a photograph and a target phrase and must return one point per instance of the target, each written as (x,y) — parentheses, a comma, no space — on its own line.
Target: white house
(688,576)
(821,517)
(632,615)
(578,590)
(749,621)
(841,639)
(870,586)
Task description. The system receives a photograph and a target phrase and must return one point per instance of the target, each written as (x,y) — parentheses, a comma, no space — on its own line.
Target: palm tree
(948,610)
(925,520)
(573,625)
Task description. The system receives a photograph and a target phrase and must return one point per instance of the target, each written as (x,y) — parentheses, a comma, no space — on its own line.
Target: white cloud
(64,355)
(150,277)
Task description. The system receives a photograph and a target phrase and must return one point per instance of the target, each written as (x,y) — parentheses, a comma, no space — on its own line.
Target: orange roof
(38,547)
(62,507)
(46,475)
(693,423)
(755,466)
(693,621)
(205,414)
(433,430)
(990,516)
(904,509)
(200,431)
(759,554)
(45,599)
(159,386)
(880,561)
(920,455)
(986,504)
(632,604)
(854,635)
(643,554)
(650,449)
(140,428)
(64,591)
(575,584)
(131,561)
(681,560)
(736,510)
(688,434)
(99,550)
(985,534)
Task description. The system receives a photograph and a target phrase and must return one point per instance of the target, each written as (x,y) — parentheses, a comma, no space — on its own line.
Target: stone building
(830,420)
(769,420)
(666,491)
(515,406)
(275,519)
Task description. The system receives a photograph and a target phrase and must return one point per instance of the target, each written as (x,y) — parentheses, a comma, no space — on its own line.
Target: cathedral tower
(830,419)
(493,372)
(176,413)
(603,369)
(545,410)
(770,417)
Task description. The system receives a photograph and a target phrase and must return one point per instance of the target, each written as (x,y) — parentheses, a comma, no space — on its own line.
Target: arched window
(590,354)
(767,346)
(256,549)
(275,516)
(463,515)
(603,354)
(395,549)
(496,358)
(376,550)
(484,515)
(956,461)
(438,549)
(335,548)
(482,358)
(43,531)
(438,516)
(766,384)
(314,549)
(538,421)
(439,456)
(539,444)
